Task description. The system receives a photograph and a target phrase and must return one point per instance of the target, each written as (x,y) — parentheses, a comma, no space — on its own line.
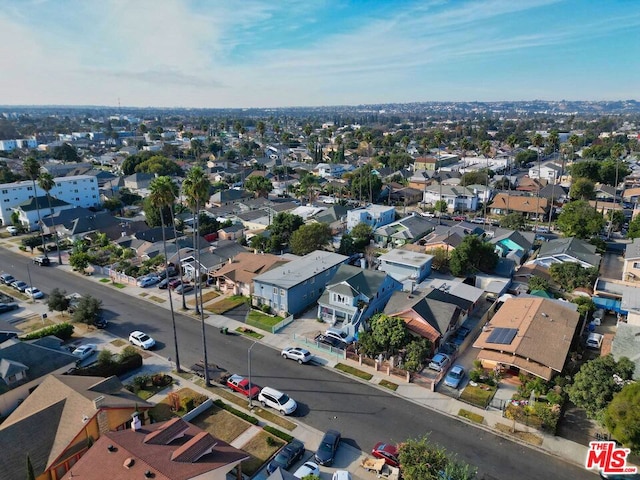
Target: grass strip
(278,433)
(235,411)
(249,333)
(387,384)
(474,417)
(274,418)
(354,371)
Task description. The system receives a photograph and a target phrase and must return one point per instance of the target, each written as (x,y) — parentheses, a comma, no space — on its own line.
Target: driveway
(612,265)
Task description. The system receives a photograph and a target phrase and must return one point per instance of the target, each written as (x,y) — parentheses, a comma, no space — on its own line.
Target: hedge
(61,330)
(238,413)
(117,368)
(278,433)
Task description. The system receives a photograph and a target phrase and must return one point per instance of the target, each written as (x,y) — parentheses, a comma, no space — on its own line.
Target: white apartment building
(78,190)
(11,145)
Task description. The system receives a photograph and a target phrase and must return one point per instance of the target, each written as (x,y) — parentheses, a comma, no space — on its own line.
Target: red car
(174,283)
(241,384)
(387,452)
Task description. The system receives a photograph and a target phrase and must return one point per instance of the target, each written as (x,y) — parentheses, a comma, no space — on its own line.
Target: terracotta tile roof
(519,203)
(168,432)
(245,266)
(542,331)
(418,326)
(196,454)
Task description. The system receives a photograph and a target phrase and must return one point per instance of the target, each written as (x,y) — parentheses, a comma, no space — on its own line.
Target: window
(282,292)
(275,290)
(636,264)
(313,280)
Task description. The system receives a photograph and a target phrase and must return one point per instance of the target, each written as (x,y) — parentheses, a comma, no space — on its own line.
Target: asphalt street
(364,414)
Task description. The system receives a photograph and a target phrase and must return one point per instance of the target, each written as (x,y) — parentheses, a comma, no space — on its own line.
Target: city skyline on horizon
(325,54)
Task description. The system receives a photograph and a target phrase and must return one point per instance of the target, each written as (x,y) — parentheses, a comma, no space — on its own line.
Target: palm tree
(537,142)
(32,169)
(574,140)
(196,187)
(46,183)
(485,147)
(163,194)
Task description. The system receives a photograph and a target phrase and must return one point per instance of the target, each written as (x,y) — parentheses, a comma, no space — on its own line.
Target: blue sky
(277,53)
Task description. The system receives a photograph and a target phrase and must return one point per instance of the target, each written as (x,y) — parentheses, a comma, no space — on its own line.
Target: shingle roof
(365,282)
(571,246)
(42,204)
(301,269)
(246,266)
(633,250)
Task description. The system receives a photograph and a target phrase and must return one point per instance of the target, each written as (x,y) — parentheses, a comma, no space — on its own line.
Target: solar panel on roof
(502,336)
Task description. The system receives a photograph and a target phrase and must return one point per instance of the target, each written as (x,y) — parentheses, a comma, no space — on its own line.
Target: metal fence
(279,326)
(311,343)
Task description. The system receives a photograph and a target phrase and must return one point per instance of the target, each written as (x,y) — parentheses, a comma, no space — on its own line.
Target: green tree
(390,333)
(440,206)
(475,178)
(589,169)
(572,275)
(582,189)
(612,171)
(364,184)
(132,161)
(423,460)
(525,157)
(513,221)
(260,243)
(159,165)
(634,228)
(87,310)
(112,204)
(585,305)
(308,238)
(281,228)
(594,386)
(440,262)
(347,245)
(617,219)
(163,194)
(622,416)
(79,261)
(152,213)
(579,219)
(361,235)
(538,283)
(472,255)
(417,352)
(260,186)
(65,153)
(57,300)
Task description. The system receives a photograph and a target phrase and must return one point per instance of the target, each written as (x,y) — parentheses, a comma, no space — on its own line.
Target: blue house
(354,295)
(294,287)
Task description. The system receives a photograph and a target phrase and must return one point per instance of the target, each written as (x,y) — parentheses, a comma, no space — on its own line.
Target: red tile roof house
(172,450)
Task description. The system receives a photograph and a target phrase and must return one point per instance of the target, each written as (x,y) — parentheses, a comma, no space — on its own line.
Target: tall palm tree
(537,142)
(512,141)
(163,194)
(46,183)
(438,137)
(485,147)
(32,169)
(196,187)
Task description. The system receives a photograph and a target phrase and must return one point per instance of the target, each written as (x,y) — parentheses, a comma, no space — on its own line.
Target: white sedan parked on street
(34,292)
(141,339)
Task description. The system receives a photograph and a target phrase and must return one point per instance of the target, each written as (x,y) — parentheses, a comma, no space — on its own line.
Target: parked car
(147,281)
(598,315)
(164,284)
(13,231)
(100,321)
(308,468)
(455,376)
(594,340)
(328,447)
(331,341)
(286,457)
(270,397)
(184,287)
(163,273)
(241,385)
(439,362)
(20,285)
(42,261)
(338,335)
(174,283)
(85,351)
(7,279)
(141,339)
(341,475)
(34,293)
(298,354)
(7,307)
(388,452)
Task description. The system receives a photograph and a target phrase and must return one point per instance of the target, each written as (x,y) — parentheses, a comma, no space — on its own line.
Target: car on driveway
(328,446)
(20,285)
(147,281)
(286,457)
(241,385)
(164,284)
(388,452)
(300,355)
(174,283)
(185,287)
(270,397)
(12,230)
(308,468)
(439,362)
(338,335)
(141,339)
(34,292)
(85,351)
(331,341)
(454,377)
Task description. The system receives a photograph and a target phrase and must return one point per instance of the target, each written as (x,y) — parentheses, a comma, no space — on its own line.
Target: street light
(250,384)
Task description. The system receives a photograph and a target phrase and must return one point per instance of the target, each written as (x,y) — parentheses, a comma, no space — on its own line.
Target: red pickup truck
(241,384)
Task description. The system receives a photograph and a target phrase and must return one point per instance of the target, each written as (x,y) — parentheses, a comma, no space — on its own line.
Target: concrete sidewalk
(567,450)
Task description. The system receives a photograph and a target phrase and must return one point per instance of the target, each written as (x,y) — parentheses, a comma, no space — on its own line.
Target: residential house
(453,290)
(294,287)
(373,215)
(335,216)
(549,172)
(406,265)
(606,207)
(512,244)
(398,194)
(530,185)
(458,198)
(228,197)
(139,182)
(236,276)
(23,366)
(449,237)
(406,230)
(254,220)
(531,335)
(631,266)
(567,250)
(605,193)
(425,163)
(80,191)
(59,421)
(232,232)
(31,210)
(78,222)
(625,344)
(494,286)
(554,193)
(353,296)
(631,195)
(425,317)
(211,259)
(175,449)
(529,207)
(484,192)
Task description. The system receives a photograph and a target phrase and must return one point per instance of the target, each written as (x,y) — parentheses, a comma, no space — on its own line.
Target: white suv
(270,397)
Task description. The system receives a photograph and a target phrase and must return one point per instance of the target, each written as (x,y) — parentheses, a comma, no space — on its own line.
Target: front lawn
(226,304)
(261,448)
(221,424)
(479,395)
(263,319)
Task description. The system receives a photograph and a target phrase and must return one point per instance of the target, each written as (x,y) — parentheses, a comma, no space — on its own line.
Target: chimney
(136,424)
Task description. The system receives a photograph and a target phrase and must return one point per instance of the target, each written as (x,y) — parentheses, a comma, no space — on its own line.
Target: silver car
(298,354)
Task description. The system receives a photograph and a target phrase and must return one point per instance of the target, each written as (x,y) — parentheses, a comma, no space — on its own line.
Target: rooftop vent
(128,463)
(111,448)
(149,474)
